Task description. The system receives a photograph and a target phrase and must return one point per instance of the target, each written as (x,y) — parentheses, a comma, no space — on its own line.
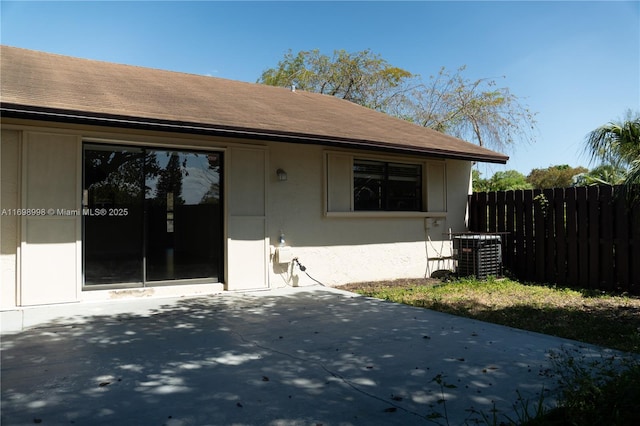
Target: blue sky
(576,63)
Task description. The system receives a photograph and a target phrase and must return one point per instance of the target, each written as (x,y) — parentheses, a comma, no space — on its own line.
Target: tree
(500,181)
(170,180)
(212,196)
(115,177)
(472,109)
(508,180)
(478,183)
(475,110)
(561,176)
(605,174)
(363,77)
(618,144)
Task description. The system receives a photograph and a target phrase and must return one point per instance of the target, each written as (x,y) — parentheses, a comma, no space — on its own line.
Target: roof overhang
(28,112)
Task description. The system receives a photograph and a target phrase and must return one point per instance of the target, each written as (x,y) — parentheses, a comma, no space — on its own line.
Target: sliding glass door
(151,216)
(184,224)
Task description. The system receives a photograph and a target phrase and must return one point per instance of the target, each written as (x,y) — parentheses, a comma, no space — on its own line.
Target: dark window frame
(387,185)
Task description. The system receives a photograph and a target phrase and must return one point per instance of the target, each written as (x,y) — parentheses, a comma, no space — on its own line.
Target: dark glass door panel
(113,215)
(183,216)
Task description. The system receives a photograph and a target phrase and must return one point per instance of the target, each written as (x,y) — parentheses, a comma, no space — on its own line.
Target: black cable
(304,269)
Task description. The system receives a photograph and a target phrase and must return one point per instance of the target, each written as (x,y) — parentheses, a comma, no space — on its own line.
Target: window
(384,186)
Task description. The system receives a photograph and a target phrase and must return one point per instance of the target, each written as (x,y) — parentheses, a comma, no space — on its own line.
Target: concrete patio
(294,356)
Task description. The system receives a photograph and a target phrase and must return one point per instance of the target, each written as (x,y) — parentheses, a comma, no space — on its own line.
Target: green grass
(606,320)
(594,392)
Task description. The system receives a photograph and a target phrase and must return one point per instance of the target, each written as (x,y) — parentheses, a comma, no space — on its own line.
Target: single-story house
(123,181)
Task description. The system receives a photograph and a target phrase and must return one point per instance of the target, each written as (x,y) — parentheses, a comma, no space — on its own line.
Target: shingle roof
(55,87)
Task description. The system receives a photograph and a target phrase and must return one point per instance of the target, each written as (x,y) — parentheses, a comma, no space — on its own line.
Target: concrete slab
(295,356)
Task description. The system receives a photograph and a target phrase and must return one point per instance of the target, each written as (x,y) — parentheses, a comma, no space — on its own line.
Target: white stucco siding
(346,246)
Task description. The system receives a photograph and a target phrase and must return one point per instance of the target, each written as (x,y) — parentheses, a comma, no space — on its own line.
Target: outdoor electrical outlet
(432,222)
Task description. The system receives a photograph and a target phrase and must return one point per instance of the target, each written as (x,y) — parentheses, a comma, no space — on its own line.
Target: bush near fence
(583,237)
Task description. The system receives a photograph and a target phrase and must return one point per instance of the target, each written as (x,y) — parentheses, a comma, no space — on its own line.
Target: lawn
(602,319)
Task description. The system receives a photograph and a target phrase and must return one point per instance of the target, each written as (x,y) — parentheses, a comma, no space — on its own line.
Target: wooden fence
(585,237)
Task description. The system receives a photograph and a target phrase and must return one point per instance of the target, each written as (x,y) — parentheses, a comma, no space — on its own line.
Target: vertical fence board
(634,252)
(474,215)
(549,236)
(492,202)
(520,258)
(540,209)
(500,211)
(572,237)
(582,217)
(607,271)
(594,236)
(482,208)
(529,247)
(509,229)
(621,238)
(560,220)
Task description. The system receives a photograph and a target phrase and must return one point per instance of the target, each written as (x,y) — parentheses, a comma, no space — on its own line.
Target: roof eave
(142,123)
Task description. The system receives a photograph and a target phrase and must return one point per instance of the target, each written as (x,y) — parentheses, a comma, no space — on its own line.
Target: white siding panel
(49,258)
(247,182)
(248,258)
(51,178)
(9,223)
(247,249)
(49,261)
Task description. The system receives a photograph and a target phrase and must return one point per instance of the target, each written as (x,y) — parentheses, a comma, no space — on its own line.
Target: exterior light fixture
(282,175)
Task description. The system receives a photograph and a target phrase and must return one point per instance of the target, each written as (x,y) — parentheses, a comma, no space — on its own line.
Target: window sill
(385,214)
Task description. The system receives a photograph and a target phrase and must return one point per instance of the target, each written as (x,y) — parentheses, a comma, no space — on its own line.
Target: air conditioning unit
(478,255)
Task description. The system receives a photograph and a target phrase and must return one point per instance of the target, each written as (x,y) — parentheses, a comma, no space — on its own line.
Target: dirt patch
(400,283)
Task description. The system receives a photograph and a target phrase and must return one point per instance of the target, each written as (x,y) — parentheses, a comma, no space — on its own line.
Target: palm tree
(604,174)
(618,144)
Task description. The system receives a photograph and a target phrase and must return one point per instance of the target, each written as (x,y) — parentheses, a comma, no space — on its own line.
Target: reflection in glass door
(151,216)
(113,243)
(183,216)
